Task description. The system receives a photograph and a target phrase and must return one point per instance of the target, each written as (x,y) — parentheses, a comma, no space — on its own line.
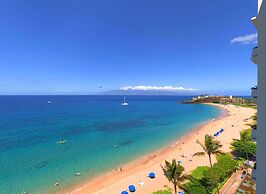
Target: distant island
(152,90)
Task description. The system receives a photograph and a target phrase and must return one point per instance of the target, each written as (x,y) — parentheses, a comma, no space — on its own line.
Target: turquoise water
(100,135)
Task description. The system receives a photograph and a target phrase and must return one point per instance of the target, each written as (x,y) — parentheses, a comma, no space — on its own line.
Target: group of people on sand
(120,169)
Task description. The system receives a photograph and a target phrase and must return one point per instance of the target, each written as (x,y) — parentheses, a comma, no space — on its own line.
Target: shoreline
(138,168)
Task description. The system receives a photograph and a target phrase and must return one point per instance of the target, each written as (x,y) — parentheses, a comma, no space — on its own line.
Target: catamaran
(124,103)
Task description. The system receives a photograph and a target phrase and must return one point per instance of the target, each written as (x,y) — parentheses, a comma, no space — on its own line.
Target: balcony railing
(254,21)
(253,134)
(254,92)
(253,174)
(254,55)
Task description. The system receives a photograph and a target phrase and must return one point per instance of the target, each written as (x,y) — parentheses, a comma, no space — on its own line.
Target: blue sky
(74,46)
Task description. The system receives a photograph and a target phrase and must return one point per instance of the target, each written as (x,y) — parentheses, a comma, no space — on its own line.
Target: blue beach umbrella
(131,188)
(124,192)
(221,130)
(152,175)
(180,192)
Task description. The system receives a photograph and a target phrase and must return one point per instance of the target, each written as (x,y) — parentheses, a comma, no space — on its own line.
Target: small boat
(124,103)
(61,142)
(49,102)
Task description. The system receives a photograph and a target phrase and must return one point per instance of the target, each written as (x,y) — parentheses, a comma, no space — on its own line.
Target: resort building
(258,56)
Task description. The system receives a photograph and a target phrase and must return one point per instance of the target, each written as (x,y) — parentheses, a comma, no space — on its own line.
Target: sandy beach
(233,120)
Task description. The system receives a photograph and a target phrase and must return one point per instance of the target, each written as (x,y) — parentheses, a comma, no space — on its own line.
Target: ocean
(99,133)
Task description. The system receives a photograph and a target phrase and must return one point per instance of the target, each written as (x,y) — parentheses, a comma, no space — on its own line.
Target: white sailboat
(124,103)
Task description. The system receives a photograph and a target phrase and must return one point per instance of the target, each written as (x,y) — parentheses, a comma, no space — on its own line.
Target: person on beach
(121,169)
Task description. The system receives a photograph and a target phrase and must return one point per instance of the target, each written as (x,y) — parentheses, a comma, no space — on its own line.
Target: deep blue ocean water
(100,135)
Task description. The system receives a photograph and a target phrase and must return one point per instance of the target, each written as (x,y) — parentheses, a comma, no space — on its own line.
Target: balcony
(253,134)
(253,126)
(253,174)
(254,55)
(254,21)
(254,92)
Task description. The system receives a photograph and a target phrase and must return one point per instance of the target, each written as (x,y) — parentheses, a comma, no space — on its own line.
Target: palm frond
(199,153)
(203,147)
(218,152)
(173,172)
(183,187)
(168,164)
(185,177)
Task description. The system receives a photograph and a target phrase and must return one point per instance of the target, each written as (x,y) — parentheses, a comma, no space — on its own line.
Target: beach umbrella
(131,188)
(180,192)
(124,192)
(221,130)
(152,175)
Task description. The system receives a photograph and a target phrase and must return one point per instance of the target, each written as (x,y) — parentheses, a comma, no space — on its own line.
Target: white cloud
(245,39)
(156,88)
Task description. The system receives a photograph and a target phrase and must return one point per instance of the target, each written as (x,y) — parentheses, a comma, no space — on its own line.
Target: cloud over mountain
(156,88)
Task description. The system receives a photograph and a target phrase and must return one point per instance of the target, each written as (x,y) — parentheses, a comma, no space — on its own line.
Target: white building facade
(259,57)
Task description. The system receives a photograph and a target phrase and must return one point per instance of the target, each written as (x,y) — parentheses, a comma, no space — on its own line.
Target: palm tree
(245,135)
(210,146)
(174,173)
(244,145)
